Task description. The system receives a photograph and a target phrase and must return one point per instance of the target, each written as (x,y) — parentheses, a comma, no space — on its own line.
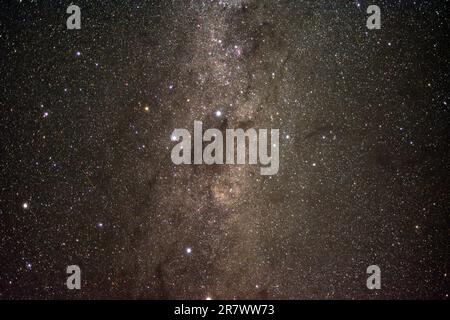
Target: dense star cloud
(87,177)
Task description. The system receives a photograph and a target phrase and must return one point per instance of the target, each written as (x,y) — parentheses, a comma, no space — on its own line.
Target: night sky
(87,179)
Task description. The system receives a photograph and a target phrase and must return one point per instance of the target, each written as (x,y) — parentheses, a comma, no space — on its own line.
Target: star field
(87,178)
